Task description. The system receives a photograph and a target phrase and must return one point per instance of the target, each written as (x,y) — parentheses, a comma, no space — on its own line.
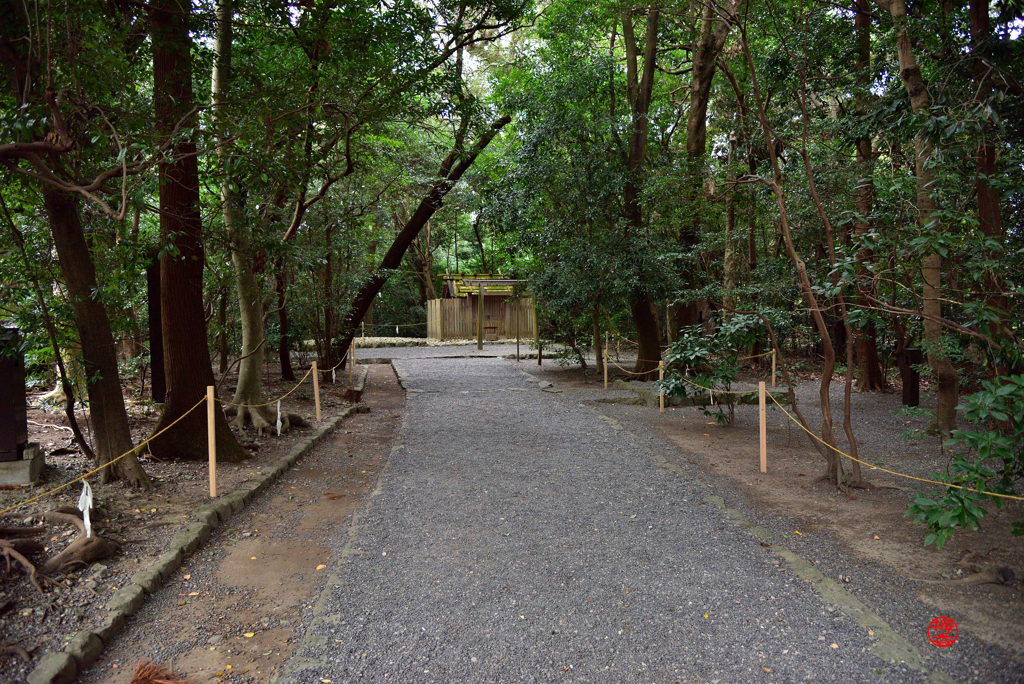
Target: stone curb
(62,667)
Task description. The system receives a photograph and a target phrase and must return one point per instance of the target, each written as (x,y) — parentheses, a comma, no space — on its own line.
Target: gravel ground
(517,536)
(439,351)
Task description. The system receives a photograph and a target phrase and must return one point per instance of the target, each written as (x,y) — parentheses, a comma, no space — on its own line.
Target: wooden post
(606,360)
(661,376)
(518,310)
(773,368)
(363,323)
(316,391)
(211,438)
(480,319)
(764,427)
(351,361)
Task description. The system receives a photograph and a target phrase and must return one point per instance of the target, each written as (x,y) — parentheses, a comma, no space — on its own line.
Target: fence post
(351,360)
(316,391)
(480,319)
(517,309)
(606,360)
(764,427)
(211,438)
(773,367)
(661,376)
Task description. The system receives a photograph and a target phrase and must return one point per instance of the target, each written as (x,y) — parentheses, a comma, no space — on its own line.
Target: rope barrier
(755,356)
(631,372)
(274,401)
(891,472)
(392,325)
(105,465)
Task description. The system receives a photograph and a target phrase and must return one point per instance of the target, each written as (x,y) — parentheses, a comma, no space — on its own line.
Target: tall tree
(640,84)
(931,262)
(869,369)
(186,352)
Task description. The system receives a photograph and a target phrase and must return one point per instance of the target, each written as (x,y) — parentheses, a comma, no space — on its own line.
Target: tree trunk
(710,41)
(284,354)
(449,174)
(222,337)
(249,389)
(158,381)
(640,87)
(111,434)
(931,263)
(869,367)
(989,217)
(187,354)
(731,260)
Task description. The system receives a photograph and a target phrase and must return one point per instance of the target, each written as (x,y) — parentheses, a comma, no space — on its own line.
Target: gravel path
(517,537)
(454,350)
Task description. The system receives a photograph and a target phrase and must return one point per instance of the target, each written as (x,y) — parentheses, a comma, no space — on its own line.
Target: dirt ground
(229,614)
(142,523)
(870,523)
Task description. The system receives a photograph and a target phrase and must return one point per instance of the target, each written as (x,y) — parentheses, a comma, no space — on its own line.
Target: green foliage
(699,360)
(996,447)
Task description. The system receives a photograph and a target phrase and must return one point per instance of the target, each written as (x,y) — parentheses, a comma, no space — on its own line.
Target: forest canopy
(192,186)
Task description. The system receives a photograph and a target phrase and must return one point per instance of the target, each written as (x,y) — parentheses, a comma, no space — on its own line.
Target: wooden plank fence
(455,319)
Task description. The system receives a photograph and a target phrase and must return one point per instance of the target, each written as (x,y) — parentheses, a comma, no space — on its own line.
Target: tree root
(998,576)
(8,551)
(151,673)
(10,649)
(83,551)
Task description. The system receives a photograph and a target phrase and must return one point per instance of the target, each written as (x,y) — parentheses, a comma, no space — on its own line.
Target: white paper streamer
(334,377)
(396,329)
(278,417)
(84,504)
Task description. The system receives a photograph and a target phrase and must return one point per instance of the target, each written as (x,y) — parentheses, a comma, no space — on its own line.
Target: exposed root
(151,673)
(16,651)
(83,551)
(997,576)
(263,419)
(8,551)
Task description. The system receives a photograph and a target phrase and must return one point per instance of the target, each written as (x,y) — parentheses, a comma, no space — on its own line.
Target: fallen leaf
(193,593)
(326,681)
(332,496)
(253,558)
(228,667)
(321,566)
(249,635)
(267,652)
(877,537)
(766,669)
(187,577)
(871,632)
(522,617)
(767,546)
(220,673)
(833,645)
(705,614)
(798,533)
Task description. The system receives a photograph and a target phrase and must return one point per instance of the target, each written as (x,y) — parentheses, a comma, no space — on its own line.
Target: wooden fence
(456,318)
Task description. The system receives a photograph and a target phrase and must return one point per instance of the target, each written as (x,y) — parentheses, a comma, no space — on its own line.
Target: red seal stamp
(942,632)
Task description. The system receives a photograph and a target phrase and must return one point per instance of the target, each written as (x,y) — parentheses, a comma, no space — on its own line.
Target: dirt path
(232,612)
(517,535)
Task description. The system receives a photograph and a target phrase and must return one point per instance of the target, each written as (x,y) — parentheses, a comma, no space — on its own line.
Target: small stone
(84,647)
(99,571)
(215,639)
(54,668)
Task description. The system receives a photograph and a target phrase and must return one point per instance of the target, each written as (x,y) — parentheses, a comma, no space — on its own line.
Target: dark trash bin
(13,417)
(910,358)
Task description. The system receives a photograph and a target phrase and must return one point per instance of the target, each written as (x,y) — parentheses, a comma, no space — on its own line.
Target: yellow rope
(631,372)
(105,465)
(393,325)
(274,401)
(708,389)
(755,356)
(891,472)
